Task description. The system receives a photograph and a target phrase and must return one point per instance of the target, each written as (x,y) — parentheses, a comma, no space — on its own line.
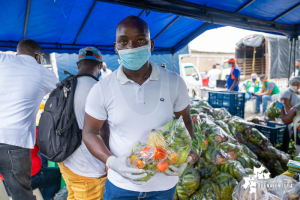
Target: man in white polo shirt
(23,84)
(134,99)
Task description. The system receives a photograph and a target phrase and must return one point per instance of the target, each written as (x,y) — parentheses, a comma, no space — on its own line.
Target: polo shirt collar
(154,76)
(27,57)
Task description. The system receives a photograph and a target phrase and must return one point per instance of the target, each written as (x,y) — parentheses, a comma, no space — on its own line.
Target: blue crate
(234,102)
(273,133)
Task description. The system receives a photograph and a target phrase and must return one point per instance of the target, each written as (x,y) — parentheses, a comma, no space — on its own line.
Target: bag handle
(86,74)
(69,124)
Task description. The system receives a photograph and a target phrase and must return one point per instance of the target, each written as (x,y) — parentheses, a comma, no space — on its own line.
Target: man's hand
(119,165)
(177,171)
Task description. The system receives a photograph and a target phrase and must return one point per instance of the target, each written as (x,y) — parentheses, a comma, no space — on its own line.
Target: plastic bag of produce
(241,125)
(226,185)
(199,145)
(255,163)
(208,190)
(242,193)
(275,167)
(292,193)
(215,156)
(272,112)
(282,183)
(271,153)
(231,149)
(224,126)
(240,137)
(234,168)
(244,160)
(206,110)
(221,114)
(257,138)
(205,169)
(248,152)
(168,145)
(199,104)
(188,183)
(255,149)
(194,111)
(204,116)
(231,127)
(269,196)
(249,171)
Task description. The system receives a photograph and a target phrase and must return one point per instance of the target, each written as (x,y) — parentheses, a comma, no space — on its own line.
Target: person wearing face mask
(234,76)
(269,88)
(84,174)
(23,84)
(136,98)
(251,86)
(105,71)
(290,96)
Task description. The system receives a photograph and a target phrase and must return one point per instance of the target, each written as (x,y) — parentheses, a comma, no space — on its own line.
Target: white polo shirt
(105,73)
(23,84)
(133,110)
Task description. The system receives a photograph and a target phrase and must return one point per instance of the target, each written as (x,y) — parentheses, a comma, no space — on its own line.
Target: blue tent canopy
(65,26)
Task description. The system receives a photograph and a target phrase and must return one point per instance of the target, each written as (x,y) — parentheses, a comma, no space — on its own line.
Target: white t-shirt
(105,73)
(82,162)
(23,84)
(133,111)
(213,77)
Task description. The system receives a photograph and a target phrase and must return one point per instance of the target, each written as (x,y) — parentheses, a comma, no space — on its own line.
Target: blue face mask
(253,79)
(99,76)
(134,59)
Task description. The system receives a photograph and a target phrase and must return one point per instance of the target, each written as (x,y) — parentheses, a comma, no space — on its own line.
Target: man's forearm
(96,146)
(190,127)
(234,84)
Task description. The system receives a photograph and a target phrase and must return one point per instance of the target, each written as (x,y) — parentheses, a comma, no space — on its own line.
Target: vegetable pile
(272,112)
(227,149)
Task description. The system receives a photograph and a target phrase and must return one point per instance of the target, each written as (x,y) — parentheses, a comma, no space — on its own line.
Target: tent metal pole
(286,12)
(244,6)
(295,41)
(141,13)
(173,59)
(172,22)
(291,45)
(87,17)
(26,20)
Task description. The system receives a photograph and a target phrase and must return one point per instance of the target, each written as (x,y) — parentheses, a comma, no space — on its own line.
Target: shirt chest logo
(162,99)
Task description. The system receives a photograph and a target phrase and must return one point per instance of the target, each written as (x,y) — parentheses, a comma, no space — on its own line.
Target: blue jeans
(47,180)
(114,192)
(248,96)
(264,100)
(44,160)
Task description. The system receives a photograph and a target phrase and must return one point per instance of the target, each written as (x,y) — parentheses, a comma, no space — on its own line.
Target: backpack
(58,132)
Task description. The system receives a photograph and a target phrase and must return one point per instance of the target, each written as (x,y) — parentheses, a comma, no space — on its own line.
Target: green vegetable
(234,168)
(226,184)
(215,156)
(208,189)
(258,138)
(273,112)
(244,160)
(205,169)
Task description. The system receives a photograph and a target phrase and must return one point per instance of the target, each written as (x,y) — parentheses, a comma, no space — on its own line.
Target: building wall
(203,61)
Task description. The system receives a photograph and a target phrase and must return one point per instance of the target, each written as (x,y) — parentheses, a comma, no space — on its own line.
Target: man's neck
(89,71)
(139,76)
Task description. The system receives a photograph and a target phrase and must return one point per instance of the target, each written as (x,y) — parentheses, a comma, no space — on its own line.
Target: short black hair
(135,18)
(89,63)
(263,76)
(29,46)
(214,66)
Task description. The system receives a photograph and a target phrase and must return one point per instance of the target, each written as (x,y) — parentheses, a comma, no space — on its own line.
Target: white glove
(120,166)
(177,171)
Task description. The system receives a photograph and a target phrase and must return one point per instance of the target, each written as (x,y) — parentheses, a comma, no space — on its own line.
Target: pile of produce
(272,112)
(228,150)
(168,145)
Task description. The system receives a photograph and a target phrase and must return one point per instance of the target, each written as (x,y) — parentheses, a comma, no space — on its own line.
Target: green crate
(55,164)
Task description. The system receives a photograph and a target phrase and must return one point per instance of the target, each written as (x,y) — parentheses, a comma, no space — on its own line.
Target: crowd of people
(113,113)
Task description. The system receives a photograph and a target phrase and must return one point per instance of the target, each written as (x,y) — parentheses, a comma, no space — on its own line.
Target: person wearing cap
(135,99)
(84,174)
(251,86)
(213,75)
(269,88)
(234,76)
(105,71)
(297,69)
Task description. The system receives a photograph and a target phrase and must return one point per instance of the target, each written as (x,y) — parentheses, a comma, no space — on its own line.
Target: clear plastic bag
(286,184)
(231,127)
(255,149)
(188,183)
(221,114)
(244,160)
(62,194)
(168,145)
(208,190)
(199,145)
(272,112)
(257,138)
(224,126)
(200,103)
(247,193)
(231,149)
(271,153)
(226,185)
(292,193)
(234,168)
(275,167)
(215,156)
(248,152)
(241,125)
(205,169)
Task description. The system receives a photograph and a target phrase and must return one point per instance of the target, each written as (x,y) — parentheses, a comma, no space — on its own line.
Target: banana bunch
(257,138)
(234,168)
(244,160)
(241,125)
(226,184)
(224,126)
(205,169)
(248,152)
(231,149)
(188,183)
(199,145)
(215,156)
(208,190)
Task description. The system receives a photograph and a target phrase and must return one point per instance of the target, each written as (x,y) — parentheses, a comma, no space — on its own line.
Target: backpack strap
(86,74)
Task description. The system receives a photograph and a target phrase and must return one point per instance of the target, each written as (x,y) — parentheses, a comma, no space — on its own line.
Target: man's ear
(37,57)
(77,64)
(115,48)
(100,65)
(152,45)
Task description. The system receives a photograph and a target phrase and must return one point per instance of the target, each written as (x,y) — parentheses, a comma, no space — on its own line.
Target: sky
(219,40)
